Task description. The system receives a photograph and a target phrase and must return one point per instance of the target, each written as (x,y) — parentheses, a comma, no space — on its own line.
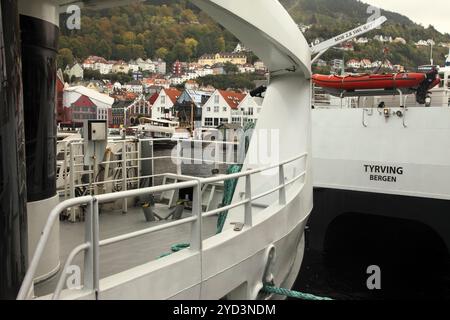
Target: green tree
(230,68)
(220,44)
(192,45)
(65,57)
(104,49)
(162,53)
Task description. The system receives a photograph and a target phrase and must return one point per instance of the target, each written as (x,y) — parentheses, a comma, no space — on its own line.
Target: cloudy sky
(435,12)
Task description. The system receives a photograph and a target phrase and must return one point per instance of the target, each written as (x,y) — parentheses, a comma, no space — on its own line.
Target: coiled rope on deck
(293,294)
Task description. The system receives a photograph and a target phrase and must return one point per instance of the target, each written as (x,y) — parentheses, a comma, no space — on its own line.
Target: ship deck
(126,254)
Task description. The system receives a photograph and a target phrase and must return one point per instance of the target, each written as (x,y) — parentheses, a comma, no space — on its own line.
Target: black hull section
(332,203)
(406,237)
(39,49)
(13,214)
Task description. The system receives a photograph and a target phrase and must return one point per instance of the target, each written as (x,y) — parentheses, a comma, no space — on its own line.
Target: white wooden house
(163,106)
(230,107)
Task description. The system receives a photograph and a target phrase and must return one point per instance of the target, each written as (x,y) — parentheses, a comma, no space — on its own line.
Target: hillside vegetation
(176,29)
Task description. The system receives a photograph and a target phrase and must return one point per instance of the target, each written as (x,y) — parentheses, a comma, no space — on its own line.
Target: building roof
(199,97)
(233,99)
(173,94)
(83,101)
(92,94)
(153,98)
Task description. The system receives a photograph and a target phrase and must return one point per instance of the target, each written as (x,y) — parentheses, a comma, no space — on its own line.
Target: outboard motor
(432,79)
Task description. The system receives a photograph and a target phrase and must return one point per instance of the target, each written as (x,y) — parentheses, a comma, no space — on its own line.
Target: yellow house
(212,59)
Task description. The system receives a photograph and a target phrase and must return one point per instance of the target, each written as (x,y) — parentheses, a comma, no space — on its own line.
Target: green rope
(293,294)
(229,188)
(175,248)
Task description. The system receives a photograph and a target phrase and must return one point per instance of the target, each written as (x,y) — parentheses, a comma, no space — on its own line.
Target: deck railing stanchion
(179,155)
(139,162)
(248,205)
(95,247)
(72,173)
(65,173)
(216,155)
(124,176)
(89,282)
(281,181)
(197,229)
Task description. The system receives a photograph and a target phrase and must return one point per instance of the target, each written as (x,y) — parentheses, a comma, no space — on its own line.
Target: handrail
(63,276)
(132,235)
(251,172)
(94,201)
(54,215)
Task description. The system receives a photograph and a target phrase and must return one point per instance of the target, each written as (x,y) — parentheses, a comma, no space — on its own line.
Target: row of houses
(338,64)
(193,108)
(387,39)
(183,72)
(100,64)
(204,109)
(106,67)
(367,64)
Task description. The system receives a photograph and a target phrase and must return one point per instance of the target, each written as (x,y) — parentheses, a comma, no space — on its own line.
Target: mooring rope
(293,294)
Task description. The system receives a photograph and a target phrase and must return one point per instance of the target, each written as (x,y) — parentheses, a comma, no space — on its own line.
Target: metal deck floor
(123,255)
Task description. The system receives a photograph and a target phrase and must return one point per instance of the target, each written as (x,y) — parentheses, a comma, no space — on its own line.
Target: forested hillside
(176,29)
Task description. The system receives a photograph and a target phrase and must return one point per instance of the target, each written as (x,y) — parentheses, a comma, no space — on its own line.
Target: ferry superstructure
(262,237)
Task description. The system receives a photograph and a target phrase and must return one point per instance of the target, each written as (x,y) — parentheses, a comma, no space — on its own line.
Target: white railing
(72,174)
(92,243)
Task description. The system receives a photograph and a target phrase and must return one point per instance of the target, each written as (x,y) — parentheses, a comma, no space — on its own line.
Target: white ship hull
(396,166)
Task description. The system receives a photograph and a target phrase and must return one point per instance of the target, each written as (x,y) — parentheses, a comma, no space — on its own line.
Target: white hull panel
(385,156)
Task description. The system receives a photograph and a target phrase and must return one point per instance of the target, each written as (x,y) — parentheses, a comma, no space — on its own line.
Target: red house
(80,110)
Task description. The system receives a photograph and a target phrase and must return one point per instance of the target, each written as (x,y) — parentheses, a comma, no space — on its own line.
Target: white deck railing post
(95,247)
(282,182)
(89,282)
(124,176)
(217,155)
(65,173)
(72,173)
(197,229)
(139,163)
(248,205)
(179,155)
